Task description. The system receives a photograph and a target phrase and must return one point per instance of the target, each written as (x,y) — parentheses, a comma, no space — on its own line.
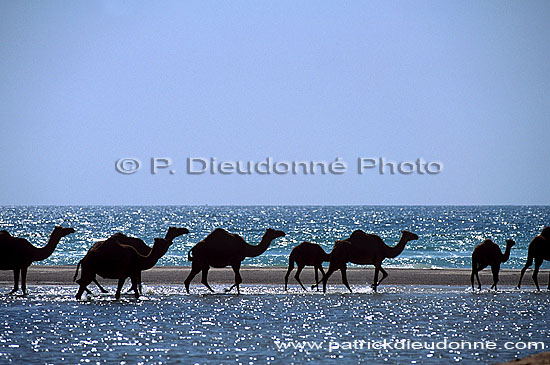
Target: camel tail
(291,261)
(76,273)
(189,256)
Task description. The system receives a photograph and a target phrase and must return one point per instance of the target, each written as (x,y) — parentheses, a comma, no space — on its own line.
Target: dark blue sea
(447,234)
(265,325)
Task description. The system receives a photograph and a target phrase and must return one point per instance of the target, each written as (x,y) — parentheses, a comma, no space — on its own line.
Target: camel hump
(342,243)
(361,236)
(4,232)
(100,245)
(109,241)
(219,231)
(122,238)
(486,247)
(96,245)
(303,247)
(538,243)
(358,232)
(488,243)
(545,232)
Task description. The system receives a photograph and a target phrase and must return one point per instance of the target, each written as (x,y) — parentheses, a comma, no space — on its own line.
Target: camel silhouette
(486,254)
(364,249)
(114,260)
(18,254)
(136,243)
(306,254)
(220,249)
(539,250)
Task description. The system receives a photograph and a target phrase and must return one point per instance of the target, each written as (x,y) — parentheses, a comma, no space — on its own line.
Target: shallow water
(166,325)
(448,234)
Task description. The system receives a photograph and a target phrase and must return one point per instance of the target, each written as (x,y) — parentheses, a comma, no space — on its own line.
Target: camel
(486,254)
(114,260)
(539,250)
(18,254)
(306,254)
(136,243)
(364,249)
(220,249)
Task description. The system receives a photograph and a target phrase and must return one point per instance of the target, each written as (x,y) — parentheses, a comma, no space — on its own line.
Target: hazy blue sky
(83,84)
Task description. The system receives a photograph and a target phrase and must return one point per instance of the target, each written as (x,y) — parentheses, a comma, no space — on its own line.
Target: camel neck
(506,255)
(39,254)
(253,251)
(392,252)
(152,258)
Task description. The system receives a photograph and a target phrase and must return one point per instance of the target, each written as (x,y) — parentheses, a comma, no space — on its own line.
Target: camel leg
(135,280)
(521,275)
(316,277)
(320,267)
(290,268)
(472,277)
(478,282)
(99,286)
(24,280)
(384,275)
(330,271)
(548,281)
(194,271)
(236,267)
(495,269)
(527,265)
(80,291)
(83,286)
(474,266)
(15,281)
(345,277)
(318,281)
(119,288)
(376,270)
(297,276)
(204,279)
(538,262)
(478,269)
(138,285)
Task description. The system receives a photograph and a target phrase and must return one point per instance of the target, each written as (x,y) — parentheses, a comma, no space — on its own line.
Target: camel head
(273,233)
(409,236)
(59,231)
(546,233)
(510,243)
(174,232)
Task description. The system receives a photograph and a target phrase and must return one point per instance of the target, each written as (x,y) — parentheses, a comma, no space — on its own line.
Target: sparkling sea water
(265,324)
(447,234)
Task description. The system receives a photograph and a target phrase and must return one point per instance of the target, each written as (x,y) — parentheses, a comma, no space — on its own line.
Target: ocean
(265,325)
(447,234)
